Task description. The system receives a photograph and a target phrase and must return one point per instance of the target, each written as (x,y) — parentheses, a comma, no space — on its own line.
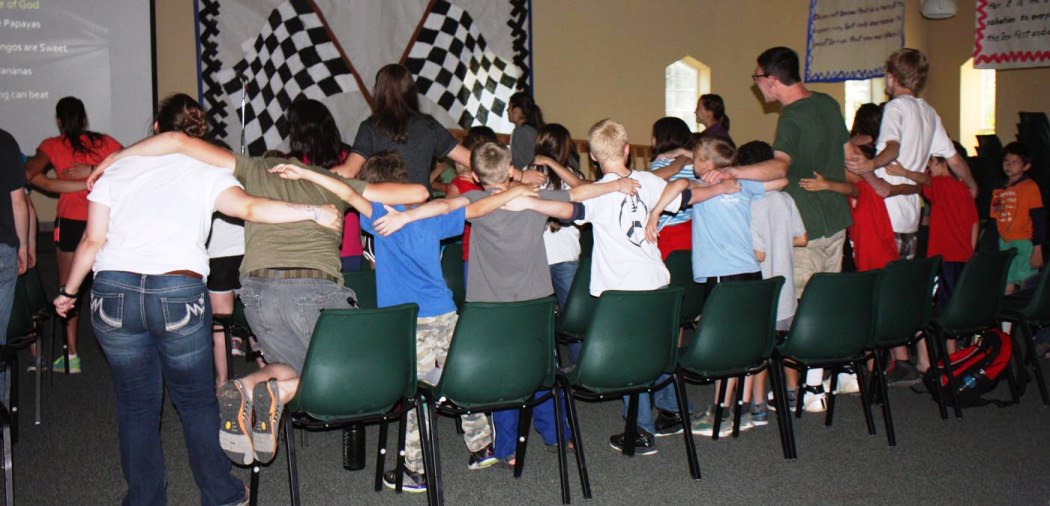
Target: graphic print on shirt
(633,215)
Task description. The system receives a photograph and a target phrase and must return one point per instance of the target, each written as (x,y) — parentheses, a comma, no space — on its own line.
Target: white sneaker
(847,384)
(815,403)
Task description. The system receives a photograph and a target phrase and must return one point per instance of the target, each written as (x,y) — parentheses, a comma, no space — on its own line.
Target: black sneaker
(667,423)
(482,458)
(413,482)
(903,374)
(644,445)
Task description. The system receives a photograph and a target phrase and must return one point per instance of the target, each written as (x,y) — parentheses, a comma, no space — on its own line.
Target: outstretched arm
(857,163)
(569,177)
(394,220)
(589,191)
(671,191)
(166,144)
(236,203)
(896,169)
(818,183)
(761,171)
(340,189)
(552,208)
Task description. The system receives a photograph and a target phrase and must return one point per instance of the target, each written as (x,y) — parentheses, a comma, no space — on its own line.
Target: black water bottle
(354,447)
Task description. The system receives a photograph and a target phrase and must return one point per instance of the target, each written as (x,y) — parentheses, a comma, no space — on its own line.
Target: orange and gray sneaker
(268,410)
(235,417)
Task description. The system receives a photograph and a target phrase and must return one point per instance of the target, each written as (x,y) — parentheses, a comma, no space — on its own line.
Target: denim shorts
(282,313)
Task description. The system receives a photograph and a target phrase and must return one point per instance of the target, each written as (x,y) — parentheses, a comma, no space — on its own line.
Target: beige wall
(599,58)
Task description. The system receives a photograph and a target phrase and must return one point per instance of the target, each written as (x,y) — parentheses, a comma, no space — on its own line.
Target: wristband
(62,291)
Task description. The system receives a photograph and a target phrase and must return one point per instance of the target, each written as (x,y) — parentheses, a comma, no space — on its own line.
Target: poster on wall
(850,39)
(1011,34)
(467,56)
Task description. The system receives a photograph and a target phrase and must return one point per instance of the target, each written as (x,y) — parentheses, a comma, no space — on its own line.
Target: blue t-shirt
(408,262)
(722,234)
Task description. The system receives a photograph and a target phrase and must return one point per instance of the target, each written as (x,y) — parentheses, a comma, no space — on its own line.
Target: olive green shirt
(812,132)
(289,245)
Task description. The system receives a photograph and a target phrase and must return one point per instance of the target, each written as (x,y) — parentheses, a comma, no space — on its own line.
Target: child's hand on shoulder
(288,171)
(519,204)
(896,169)
(728,186)
(391,222)
(627,186)
(814,184)
(716,176)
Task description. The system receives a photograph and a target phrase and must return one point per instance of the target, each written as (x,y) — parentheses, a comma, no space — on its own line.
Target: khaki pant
(433,335)
(823,254)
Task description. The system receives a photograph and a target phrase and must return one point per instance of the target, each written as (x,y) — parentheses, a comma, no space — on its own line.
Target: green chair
(586,241)
(360,367)
(579,308)
(452,269)
(363,283)
(736,338)
(680,265)
(902,314)
(973,308)
(502,353)
(630,342)
(833,326)
(1030,312)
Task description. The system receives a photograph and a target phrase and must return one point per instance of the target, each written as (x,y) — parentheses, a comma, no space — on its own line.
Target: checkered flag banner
(455,69)
(294,54)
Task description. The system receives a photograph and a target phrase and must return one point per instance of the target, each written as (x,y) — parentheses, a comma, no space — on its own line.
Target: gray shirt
(427,141)
(775,222)
(523,146)
(508,261)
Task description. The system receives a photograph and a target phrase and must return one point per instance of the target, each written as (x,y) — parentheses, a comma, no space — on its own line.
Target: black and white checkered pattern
(455,69)
(293,55)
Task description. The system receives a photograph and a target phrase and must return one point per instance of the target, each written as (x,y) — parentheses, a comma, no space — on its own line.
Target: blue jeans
(155,330)
(562,274)
(505,426)
(8,278)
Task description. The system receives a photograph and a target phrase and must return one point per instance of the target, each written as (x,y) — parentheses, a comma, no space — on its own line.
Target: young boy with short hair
(1019,215)
(408,270)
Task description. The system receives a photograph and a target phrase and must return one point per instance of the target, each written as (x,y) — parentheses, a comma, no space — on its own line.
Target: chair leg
(869,420)
(11,396)
(438,492)
(293,468)
(800,391)
(574,422)
(39,351)
(1033,360)
(935,356)
(738,405)
(787,434)
(381,455)
(563,461)
(524,424)
(402,432)
(253,485)
(228,340)
(829,416)
(424,423)
(943,343)
(879,379)
(687,432)
(716,428)
(630,433)
(9,478)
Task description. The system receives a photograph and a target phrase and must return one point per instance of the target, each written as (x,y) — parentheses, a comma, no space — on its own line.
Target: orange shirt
(1010,209)
(74,206)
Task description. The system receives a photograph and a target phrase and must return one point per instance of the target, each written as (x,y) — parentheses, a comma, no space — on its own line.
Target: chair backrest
(360,363)
(631,340)
(978,294)
(452,270)
(579,304)
(363,283)
(905,298)
(21,322)
(738,329)
(835,318)
(37,297)
(1038,309)
(680,264)
(502,352)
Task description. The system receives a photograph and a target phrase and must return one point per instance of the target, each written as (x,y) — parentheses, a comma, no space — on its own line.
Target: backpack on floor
(977,369)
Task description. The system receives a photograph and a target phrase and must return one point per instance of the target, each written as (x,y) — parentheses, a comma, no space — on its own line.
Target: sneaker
(236,347)
(667,423)
(791,401)
(705,425)
(32,365)
(235,420)
(485,457)
(644,445)
(815,402)
(760,415)
(60,364)
(412,482)
(268,408)
(902,374)
(847,384)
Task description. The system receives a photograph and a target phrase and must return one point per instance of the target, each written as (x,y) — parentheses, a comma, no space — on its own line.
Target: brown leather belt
(184,272)
(292,273)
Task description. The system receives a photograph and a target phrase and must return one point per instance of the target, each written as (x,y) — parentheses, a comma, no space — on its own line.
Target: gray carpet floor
(992,456)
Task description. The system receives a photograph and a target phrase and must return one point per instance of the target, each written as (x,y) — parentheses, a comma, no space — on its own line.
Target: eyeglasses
(755,77)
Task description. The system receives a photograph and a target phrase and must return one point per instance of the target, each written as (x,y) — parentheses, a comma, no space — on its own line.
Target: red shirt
(74,206)
(464,185)
(952,217)
(874,245)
